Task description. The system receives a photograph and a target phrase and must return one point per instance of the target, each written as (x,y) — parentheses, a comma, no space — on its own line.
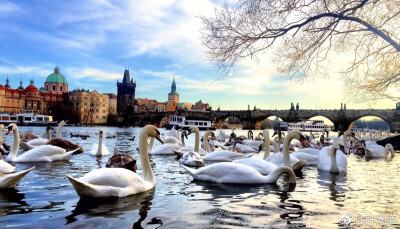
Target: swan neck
(205,142)
(285,152)
(276,146)
(151,143)
(334,167)
(48,134)
(197,141)
(13,153)
(99,148)
(60,126)
(276,173)
(183,140)
(144,158)
(267,148)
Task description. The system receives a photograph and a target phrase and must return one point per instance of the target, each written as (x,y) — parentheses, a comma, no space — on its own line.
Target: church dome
(56,77)
(31,88)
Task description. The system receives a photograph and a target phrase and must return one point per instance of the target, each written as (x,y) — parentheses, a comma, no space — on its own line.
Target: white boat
(180,122)
(27,118)
(309,125)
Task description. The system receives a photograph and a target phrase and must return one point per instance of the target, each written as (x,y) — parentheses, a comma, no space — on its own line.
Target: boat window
(40,119)
(186,123)
(13,118)
(196,123)
(28,118)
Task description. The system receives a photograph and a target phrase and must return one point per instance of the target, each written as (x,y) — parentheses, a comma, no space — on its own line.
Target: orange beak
(159,139)
(303,142)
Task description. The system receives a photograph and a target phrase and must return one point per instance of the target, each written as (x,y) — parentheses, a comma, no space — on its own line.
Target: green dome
(56,77)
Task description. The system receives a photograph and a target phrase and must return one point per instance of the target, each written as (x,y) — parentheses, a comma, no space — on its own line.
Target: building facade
(31,98)
(93,107)
(126,93)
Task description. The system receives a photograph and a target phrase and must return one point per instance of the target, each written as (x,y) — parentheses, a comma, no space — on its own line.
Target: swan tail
(222,147)
(82,188)
(11,179)
(276,173)
(25,146)
(298,166)
(178,153)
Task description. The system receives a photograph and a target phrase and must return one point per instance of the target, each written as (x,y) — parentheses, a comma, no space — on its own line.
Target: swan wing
(227,172)
(37,142)
(107,182)
(6,167)
(44,153)
(222,155)
(262,166)
(166,148)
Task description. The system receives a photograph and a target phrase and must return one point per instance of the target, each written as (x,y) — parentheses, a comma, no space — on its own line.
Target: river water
(368,195)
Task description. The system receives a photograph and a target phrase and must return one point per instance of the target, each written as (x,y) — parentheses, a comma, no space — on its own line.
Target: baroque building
(126,93)
(32,99)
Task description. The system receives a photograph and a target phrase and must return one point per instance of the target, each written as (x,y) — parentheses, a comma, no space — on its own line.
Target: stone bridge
(342,119)
(251,119)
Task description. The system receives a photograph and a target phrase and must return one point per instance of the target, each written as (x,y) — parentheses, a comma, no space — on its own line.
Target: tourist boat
(309,125)
(27,119)
(181,122)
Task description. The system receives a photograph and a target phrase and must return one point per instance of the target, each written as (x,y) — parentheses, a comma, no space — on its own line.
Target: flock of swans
(235,161)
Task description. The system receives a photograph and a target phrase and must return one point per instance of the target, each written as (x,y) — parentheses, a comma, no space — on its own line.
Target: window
(61,89)
(103,117)
(54,98)
(54,87)
(97,116)
(15,95)
(47,87)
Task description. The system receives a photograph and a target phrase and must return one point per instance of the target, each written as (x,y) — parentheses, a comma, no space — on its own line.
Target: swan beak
(275,133)
(304,143)
(342,149)
(159,139)
(9,129)
(188,133)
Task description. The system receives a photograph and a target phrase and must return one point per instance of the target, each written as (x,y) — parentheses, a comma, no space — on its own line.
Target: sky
(92,42)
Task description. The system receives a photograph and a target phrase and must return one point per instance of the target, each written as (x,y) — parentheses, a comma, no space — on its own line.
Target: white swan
(244,148)
(4,166)
(262,166)
(378,151)
(284,158)
(44,153)
(185,149)
(119,182)
(234,173)
(219,155)
(99,149)
(332,160)
(192,157)
(221,136)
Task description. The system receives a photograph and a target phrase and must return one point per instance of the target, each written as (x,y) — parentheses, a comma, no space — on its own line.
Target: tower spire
(7,82)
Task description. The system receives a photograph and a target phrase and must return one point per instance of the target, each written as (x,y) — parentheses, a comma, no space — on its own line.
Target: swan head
(192,129)
(101,133)
(339,145)
(299,136)
(11,127)
(153,132)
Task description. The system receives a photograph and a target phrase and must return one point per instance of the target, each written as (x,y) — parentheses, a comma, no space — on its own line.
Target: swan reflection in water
(113,208)
(332,181)
(12,202)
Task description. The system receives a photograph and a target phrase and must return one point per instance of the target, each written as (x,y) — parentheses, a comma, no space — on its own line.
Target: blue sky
(93,41)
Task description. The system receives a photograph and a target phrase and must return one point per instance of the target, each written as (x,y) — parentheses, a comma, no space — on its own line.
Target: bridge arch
(355,119)
(219,120)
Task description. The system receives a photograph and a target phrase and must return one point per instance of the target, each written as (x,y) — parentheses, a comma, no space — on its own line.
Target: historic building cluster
(92,107)
(128,102)
(31,98)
